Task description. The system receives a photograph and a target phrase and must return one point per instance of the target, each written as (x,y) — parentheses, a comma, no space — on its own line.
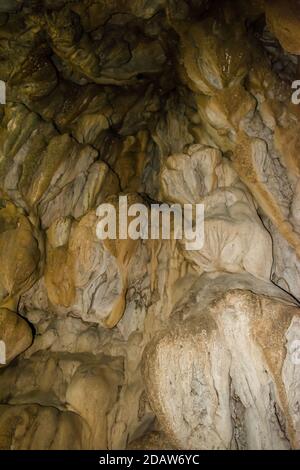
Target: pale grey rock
(226,375)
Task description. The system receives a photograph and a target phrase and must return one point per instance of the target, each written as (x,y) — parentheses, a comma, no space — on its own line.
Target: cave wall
(140,343)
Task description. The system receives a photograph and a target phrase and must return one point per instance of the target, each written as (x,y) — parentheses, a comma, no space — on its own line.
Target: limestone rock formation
(32,427)
(227,376)
(16,334)
(124,343)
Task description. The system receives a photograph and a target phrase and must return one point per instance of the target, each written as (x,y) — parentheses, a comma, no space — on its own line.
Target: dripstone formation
(141,344)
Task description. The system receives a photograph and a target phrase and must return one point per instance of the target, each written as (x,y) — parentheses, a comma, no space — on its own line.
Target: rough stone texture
(34,427)
(136,344)
(15,333)
(284,23)
(225,387)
